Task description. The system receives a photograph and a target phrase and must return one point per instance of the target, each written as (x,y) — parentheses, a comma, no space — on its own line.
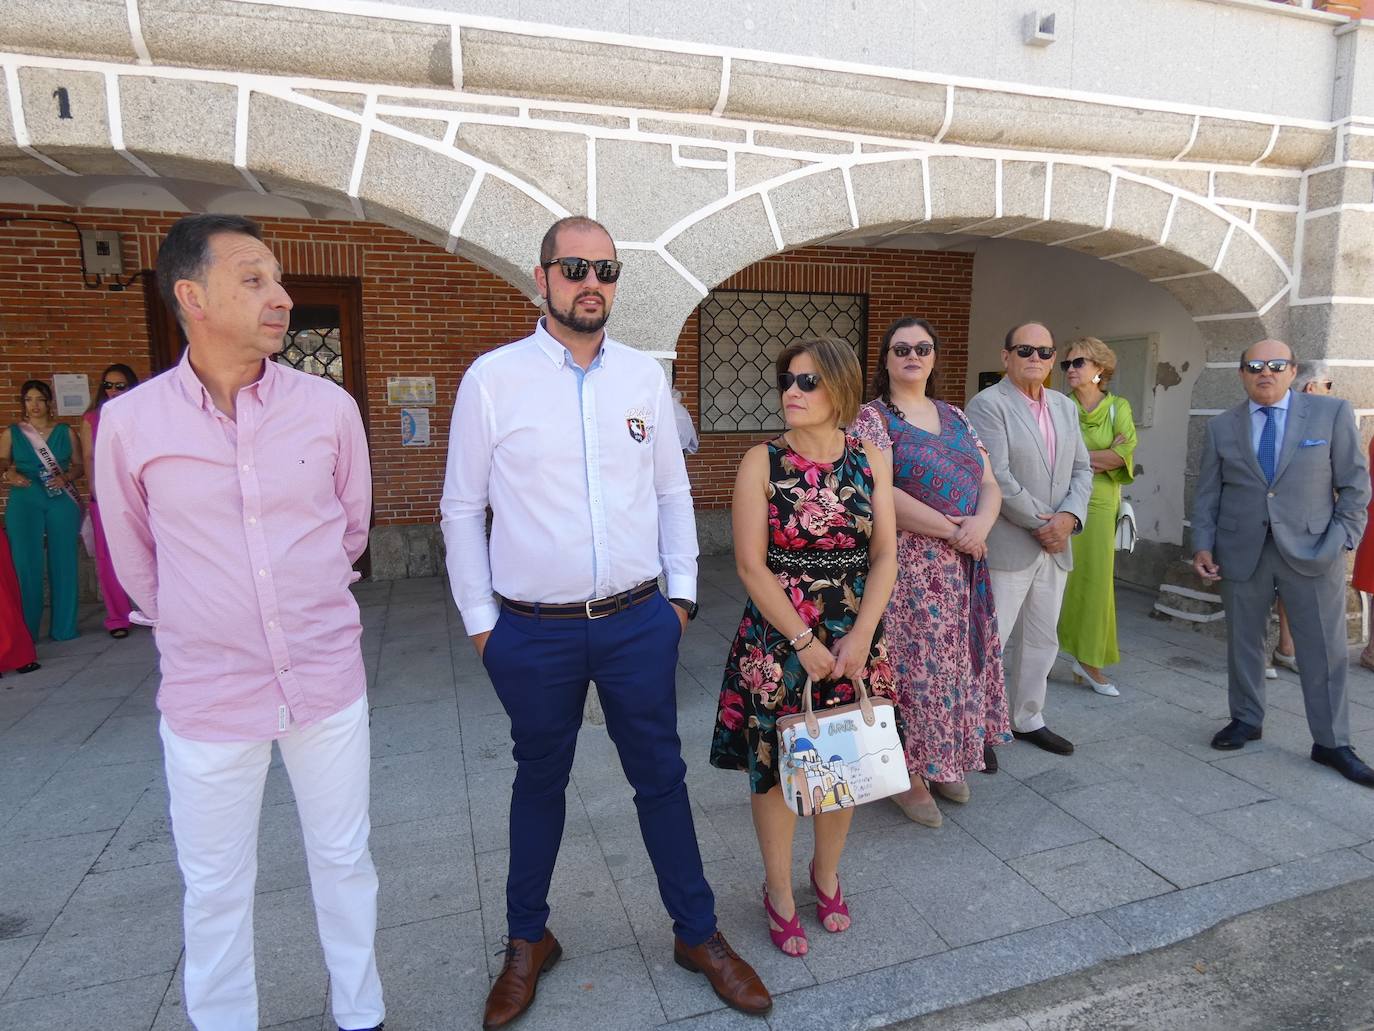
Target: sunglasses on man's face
(904,350)
(1256,366)
(805,381)
(107,385)
(1073,363)
(1025,351)
(575,269)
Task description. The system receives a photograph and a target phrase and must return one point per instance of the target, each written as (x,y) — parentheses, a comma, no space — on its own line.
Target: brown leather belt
(597,608)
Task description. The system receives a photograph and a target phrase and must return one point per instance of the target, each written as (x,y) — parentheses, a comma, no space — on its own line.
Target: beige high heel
(926,813)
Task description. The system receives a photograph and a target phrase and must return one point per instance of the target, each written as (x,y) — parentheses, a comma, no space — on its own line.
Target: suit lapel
(1294,429)
(1246,441)
(1021,406)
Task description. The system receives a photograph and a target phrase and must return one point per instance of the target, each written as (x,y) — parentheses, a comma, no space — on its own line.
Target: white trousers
(1028,603)
(216,791)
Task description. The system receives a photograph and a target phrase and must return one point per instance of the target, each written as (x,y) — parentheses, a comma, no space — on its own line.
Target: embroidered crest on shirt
(638,421)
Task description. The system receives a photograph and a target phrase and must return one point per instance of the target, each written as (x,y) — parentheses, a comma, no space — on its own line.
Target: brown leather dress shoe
(513,991)
(733,979)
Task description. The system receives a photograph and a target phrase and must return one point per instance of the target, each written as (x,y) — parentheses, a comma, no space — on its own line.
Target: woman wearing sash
(40,460)
(941,625)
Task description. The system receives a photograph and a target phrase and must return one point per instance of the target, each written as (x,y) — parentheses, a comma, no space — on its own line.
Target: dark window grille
(740,335)
(313,344)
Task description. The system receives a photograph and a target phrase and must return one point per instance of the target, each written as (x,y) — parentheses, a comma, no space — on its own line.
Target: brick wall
(935,285)
(425,312)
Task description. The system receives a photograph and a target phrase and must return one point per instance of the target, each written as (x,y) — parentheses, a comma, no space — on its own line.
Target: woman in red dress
(1362,579)
(16,646)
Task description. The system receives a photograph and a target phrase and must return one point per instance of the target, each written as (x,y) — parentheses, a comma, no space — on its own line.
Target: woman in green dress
(42,516)
(1087,620)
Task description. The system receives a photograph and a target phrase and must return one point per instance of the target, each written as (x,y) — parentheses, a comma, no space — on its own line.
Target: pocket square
(1312,443)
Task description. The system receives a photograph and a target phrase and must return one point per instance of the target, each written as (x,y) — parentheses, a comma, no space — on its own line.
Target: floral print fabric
(820,519)
(941,624)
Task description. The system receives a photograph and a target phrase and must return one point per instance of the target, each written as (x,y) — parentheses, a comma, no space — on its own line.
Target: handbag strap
(813,725)
(40,448)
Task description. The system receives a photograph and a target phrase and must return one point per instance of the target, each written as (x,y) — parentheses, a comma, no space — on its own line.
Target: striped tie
(1266,444)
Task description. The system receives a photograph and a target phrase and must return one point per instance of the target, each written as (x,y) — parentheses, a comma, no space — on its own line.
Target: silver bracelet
(793,643)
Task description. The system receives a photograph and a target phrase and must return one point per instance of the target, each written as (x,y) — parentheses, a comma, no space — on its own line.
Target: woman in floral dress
(815,546)
(941,625)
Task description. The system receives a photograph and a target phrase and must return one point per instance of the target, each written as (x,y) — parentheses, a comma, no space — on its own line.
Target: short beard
(580,324)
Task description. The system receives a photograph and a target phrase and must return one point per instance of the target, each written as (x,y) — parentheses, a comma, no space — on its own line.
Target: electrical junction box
(101,251)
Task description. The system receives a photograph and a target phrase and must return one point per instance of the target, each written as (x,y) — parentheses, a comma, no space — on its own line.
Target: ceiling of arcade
(699,162)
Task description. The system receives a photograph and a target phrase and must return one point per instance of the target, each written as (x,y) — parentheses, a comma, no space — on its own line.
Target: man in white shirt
(569,437)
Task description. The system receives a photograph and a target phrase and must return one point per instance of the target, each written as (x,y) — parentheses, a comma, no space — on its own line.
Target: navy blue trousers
(540,669)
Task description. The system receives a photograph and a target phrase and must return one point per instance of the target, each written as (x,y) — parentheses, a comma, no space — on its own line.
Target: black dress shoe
(1235,734)
(989,758)
(1345,762)
(1047,739)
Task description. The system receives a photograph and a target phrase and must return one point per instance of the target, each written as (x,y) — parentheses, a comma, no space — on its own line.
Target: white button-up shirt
(583,472)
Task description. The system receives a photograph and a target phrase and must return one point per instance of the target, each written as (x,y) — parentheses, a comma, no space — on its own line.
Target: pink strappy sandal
(828,907)
(790,928)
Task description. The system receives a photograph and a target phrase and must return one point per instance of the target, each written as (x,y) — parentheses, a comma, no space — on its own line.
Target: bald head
(1278,348)
(1263,384)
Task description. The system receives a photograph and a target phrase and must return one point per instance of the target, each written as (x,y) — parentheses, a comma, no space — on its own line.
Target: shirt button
(1271,494)
(252,520)
(247,467)
(271,624)
(262,572)
(285,670)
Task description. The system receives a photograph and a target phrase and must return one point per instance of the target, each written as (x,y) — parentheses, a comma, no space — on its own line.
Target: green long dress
(1087,619)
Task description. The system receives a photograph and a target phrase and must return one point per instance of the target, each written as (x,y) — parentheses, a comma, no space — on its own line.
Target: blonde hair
(839,370)
(1096,352)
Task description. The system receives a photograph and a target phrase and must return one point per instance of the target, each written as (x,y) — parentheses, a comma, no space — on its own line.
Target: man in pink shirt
(236,494)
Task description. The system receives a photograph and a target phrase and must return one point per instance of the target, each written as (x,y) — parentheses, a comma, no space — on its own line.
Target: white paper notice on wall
(410,390)
(72,391)
(415,427)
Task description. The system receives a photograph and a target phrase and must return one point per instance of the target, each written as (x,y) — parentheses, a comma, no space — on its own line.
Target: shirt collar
(196,392)
(1281,404)
(560,355)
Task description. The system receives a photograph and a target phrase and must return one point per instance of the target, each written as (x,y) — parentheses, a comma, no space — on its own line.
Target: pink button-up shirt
(237,539)
(1040,412)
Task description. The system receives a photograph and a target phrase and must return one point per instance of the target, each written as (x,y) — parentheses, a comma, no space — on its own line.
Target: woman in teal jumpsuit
(40,512)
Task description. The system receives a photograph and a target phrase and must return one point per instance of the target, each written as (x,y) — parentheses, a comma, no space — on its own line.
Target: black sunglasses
(107,385)
(1073,363)
(575,269)
(1025,351)
(805,381)
(1256,366)
(903,350)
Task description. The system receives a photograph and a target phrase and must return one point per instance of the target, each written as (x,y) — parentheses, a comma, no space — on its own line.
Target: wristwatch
(689,607)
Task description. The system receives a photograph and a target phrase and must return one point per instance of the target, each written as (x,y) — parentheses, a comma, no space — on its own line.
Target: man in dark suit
(1280,499)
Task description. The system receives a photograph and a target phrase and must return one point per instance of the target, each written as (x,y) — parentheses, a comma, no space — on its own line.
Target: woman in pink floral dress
(815,545)
(941,625)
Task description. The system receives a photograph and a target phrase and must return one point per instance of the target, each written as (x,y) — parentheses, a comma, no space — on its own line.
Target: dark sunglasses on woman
(107,385)
(1073,363)
(575,269)
(805,381)
(1025,351)
(904,350)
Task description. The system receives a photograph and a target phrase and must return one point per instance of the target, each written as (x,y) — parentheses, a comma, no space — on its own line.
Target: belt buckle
(587,606)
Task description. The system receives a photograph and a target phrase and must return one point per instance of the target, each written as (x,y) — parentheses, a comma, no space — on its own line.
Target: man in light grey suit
(1041,463)
(1280,499)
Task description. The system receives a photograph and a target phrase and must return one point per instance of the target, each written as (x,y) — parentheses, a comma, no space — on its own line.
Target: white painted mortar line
(355,178)
(724,95)
(1049,191)
(1299,241)
(136,32)
(21,127)
(772,220)
(1330,299)
(115,117)
(455,231)
(849,198)
(1225,243)
(997,209)
(241,139)
(677,266)
(949,114)
(1273,139)
(455,46)
(591,176)
(1192,138)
